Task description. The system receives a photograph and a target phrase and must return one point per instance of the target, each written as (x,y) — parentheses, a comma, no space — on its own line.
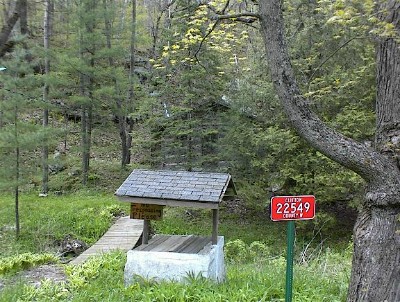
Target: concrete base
(209,263)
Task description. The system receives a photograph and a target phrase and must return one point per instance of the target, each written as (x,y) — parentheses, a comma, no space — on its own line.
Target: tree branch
(203,40)
(329,57)
(219,17)
(359,158)
(251,17)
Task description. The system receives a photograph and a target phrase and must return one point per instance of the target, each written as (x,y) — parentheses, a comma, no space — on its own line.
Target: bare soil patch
(35,276)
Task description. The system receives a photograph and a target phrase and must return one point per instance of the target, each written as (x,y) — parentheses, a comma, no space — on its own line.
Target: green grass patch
(46,221)
(262,279)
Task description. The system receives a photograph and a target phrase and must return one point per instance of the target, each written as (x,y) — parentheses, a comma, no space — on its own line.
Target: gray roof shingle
(177,185)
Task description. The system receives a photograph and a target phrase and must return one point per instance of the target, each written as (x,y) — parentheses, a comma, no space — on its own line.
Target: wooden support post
(215,226)
(146,231)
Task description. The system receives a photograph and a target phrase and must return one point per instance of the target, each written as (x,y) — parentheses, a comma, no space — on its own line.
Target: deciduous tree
(375,271)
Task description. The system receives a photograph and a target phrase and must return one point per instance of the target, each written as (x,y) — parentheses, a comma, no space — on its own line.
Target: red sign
(292,207)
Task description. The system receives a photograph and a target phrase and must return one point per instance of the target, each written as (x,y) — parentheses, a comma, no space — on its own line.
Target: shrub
(239,252)
(24,261)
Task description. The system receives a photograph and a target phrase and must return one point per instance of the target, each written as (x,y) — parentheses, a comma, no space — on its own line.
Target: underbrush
(20,262)
(254,250)
(261,278)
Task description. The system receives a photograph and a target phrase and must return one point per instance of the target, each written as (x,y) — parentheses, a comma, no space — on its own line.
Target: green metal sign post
(291,208)
(289,260)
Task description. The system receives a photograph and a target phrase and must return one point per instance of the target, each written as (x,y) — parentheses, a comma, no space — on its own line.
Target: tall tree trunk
(131,100)
(46,44)
(129,123)
(376,270)
(132,53)
(89,130)
(84,131)
(23,23)
(23,16)
(376,261)
(17,172)
(124,132)
(84,143)
(87,87)
(5,44)
(16,193)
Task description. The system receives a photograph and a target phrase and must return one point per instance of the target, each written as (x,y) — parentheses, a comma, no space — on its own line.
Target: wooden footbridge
(123,235)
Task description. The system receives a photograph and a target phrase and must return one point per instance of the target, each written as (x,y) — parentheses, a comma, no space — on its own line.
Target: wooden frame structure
(177,189)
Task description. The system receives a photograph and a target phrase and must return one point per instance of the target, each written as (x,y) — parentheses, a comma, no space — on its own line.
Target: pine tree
(19,134)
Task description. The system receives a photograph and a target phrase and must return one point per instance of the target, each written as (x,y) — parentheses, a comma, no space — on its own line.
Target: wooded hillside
(211,86)
(184,87)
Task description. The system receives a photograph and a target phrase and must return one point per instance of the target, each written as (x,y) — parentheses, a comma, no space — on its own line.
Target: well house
(173,257)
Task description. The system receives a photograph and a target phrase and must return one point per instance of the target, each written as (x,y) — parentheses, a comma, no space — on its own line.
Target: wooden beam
(146,231)
(170,202)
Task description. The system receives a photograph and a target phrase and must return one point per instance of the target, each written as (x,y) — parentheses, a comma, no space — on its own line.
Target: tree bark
(23,16)
(388,85)
(46,45)
(5,44)
(17,173)
(375,270)
(377,236)
(84,143)
(16,193)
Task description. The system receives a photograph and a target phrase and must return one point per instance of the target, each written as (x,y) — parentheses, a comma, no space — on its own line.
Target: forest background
(183,90)
(167,85)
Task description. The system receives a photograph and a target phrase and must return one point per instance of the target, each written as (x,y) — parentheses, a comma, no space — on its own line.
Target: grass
(101,278)
(45,222)
(254,250)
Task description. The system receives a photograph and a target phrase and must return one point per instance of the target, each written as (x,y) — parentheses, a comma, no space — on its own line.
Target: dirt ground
(36,275)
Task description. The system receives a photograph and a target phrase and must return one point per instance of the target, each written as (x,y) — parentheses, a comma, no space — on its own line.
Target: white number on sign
(300,208)
(286,207)
(279,209)
(292,207)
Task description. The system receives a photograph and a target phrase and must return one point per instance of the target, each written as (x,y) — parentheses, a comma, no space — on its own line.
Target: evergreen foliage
(202,99)
(20,134)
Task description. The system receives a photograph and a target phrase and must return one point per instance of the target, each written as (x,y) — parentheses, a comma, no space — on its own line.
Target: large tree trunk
(376,261)
(20,12)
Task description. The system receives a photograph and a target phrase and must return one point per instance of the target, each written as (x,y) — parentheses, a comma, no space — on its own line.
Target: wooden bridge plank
(122,235)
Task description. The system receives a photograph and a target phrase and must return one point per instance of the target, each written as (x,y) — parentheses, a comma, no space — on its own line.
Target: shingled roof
(176,185)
